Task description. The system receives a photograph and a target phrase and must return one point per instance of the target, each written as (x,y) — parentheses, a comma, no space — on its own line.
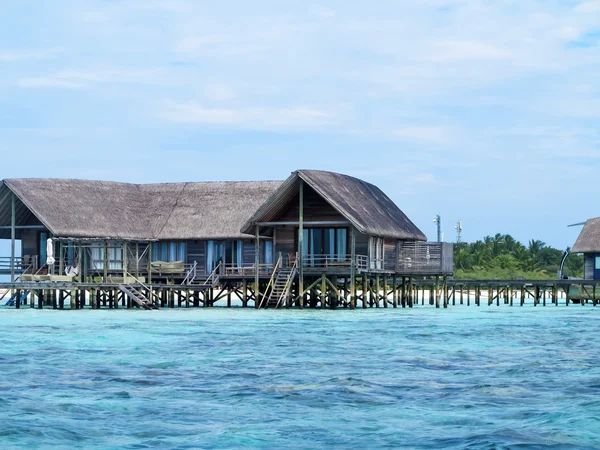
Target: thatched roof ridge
(589,238)
(362,204)
(102,209)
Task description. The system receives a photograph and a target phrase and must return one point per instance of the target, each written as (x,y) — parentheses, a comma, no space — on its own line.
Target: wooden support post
(150,245)
(365,291)
(594,295)
(544,296)
(125,266)
(137,259)
(377,290)
(301,243)
(105,275)
(445,292)
(323,291)
(403,293)
(468,295)
(395,291)
(437,292)
(410,289)
(257,267)
(13,237)
(385,291)
(461,294)
(244,293)
(352,268)
(537,296)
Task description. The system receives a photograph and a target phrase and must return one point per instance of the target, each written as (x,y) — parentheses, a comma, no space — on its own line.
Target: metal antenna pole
(458,229)
(438,220)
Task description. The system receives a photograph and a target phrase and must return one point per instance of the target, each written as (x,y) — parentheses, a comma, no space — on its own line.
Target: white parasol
(49,253)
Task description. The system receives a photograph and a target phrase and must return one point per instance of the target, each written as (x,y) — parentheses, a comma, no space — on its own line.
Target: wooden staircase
(13,299)
(137,297)
(281,283)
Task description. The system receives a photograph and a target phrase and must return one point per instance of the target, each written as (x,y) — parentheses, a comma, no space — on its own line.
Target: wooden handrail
(213,275)
(141,283)
(288,283)
(271,281)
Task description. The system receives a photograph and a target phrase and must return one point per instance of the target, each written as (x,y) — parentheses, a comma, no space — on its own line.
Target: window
(321,245)
(43,247)
(597,263)
(376,254)
(168,251)
(113,253)
(233,253)
(214,254)
(268,259)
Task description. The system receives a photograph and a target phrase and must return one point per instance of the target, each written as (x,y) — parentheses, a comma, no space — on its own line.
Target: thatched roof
(589,238)
(364,205)
(100,209)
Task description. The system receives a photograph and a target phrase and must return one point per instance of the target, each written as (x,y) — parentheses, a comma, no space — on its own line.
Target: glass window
(342,243)
(98,256)
(598,262)
(115,258)
(168,251)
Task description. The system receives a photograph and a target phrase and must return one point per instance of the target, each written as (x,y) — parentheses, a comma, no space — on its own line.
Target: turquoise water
(465,377)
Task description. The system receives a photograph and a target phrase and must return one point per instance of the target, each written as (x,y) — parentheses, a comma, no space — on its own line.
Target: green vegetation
(501,257)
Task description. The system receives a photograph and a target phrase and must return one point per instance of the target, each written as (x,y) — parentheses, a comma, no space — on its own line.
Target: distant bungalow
(588,243)
(286,237)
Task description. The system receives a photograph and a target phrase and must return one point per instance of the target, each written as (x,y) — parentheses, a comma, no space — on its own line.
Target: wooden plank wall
(315,208)
(588,265)
(389,254)
(285,241)
(29,242)
(196,251)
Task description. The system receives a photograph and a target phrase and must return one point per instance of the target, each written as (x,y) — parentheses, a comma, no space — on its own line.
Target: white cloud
(261,118)
(428,134)
(20,55)
(589,7)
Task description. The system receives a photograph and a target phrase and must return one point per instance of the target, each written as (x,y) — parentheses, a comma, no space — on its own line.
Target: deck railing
(425,258)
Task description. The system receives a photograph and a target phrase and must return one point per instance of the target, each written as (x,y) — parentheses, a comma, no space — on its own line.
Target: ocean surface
(466,377)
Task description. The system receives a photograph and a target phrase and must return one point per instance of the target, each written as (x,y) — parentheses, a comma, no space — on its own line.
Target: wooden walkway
(323,292)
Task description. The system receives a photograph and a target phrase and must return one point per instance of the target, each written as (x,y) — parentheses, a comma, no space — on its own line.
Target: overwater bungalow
(282,242)
(588,243)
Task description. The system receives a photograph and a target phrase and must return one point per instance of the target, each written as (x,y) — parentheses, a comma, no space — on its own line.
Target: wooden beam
(352,268)
(23,227)
(13,235)
(321,223)
(257,267)
(301,242)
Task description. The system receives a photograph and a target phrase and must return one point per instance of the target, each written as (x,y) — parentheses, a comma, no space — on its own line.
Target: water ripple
(210,378)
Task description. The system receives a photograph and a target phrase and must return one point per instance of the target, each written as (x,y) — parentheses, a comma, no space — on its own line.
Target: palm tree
(535,245)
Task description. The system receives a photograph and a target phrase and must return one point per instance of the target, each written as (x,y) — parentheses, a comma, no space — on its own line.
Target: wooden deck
(321,292)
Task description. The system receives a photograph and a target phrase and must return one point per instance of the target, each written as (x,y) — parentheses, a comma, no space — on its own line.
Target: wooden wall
(285,240)
(196,251)
(390,255)
(588,265)
(29,242)
(315,208)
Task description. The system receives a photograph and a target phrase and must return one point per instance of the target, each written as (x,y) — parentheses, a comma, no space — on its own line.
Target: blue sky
(487,111)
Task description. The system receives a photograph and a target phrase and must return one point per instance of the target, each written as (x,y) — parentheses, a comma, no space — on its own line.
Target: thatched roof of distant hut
(92,209)
(589,238)
(364,205)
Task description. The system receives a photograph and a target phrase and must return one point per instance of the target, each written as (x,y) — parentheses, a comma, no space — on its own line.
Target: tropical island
(501,257)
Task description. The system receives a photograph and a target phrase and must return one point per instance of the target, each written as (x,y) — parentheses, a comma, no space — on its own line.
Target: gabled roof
(364,205)
(589,238)
(100,209)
